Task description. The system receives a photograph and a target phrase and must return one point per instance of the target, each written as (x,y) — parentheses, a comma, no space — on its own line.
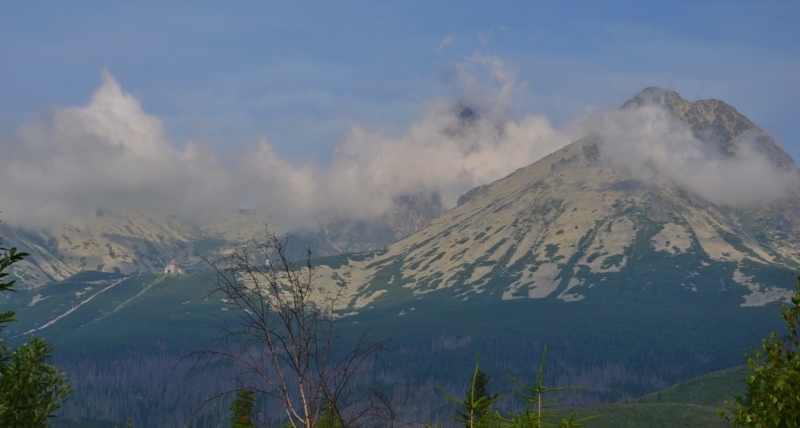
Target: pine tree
(540,407)
(485,416)
(476,410)
(476,406)
(242,410)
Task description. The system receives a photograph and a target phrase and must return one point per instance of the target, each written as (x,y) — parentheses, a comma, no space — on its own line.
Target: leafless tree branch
(283,343)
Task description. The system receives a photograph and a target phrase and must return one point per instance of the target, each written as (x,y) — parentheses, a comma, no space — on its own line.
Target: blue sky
(318,111)
(301,72)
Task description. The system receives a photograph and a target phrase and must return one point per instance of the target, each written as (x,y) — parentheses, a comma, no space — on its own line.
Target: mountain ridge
(139,240)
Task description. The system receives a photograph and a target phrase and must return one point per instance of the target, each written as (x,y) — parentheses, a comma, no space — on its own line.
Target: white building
(173,268)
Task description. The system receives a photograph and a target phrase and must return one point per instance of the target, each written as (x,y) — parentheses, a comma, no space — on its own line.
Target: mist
(67,163)
(652,145)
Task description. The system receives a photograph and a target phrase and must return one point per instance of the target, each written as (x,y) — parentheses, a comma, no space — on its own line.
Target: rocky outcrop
(715,122)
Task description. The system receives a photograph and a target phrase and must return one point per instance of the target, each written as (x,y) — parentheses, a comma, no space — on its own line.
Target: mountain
(574,223)
(633,281)
(129,241)
(139,240)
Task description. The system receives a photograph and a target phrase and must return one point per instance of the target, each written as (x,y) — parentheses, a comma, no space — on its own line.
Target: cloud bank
(652,145)
(110,154)
(69,162)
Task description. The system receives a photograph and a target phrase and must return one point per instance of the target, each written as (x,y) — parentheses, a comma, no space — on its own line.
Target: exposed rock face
(469,195)
(714,122)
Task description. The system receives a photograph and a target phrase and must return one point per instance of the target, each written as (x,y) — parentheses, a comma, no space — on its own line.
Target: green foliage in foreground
(241,415)
(479,391)
(9,258)
(30,389)
(772,398)
(329,418)
(476,407)
(539,408)
(477,412)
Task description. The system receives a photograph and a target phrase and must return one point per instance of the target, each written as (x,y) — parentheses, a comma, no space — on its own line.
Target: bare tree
(284,346)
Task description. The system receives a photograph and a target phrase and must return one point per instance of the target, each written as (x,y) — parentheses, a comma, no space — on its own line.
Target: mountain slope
(576,222)
(138,240)
(129,241)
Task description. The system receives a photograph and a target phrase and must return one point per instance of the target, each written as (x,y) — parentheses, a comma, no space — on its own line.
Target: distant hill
(692,403)
(139,240)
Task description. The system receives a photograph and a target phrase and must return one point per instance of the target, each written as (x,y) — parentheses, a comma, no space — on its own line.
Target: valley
(616,349)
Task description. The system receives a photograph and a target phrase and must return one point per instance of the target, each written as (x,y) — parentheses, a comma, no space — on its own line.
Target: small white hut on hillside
(172,268)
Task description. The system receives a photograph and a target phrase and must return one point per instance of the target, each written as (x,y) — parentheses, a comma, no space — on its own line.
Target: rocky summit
(714,122)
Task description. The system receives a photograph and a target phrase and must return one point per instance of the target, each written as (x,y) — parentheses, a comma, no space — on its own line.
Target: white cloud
(69,162)
(653,145)
(489,36)
(452,148)
(447,40)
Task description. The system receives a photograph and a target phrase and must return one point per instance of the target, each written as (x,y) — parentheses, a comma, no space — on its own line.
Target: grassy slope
(649,415)
(711,390)
(693,403)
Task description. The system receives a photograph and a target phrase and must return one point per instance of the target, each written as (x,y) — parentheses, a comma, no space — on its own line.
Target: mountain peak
(655,95)
(714,122)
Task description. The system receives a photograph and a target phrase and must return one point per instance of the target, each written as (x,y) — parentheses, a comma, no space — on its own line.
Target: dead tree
(283,344)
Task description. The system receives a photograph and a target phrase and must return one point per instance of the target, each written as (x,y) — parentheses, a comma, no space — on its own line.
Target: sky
(221,95)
